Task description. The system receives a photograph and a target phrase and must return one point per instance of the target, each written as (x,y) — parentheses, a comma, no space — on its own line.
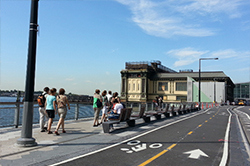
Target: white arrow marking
(139,147)
(195,154)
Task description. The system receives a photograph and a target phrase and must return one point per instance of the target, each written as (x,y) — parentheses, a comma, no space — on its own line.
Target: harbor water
(7,112)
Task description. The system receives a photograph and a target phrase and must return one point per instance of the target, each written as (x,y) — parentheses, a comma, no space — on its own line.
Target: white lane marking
(195,154)
(119,143)
(223,161)
(243,136)
(126,133)
(244,113)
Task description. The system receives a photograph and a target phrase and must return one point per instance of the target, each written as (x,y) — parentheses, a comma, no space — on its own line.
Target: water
(7,112)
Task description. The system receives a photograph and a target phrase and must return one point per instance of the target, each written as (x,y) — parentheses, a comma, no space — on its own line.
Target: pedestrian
(42,112)
(109,96)
(62,104)
(105,104)
(117,110)
(114,98)
(156,103)
(97,105)
(51,107)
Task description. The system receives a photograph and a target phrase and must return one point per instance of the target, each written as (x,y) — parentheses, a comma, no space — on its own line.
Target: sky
(83,45)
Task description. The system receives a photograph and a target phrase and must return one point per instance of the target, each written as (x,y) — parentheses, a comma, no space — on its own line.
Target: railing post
(17,111)
(76,111)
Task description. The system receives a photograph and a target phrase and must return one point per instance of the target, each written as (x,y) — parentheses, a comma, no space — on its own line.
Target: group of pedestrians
(49,106)
(108,103)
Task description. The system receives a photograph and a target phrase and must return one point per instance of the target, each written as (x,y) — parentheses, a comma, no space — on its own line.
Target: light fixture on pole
(200,77)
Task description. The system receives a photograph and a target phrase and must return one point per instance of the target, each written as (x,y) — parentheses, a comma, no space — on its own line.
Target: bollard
(17,111)
(152,106)
(146,108)
(76,111)
(131,105)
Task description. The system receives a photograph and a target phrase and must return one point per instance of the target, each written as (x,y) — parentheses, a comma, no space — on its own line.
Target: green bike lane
(192,140)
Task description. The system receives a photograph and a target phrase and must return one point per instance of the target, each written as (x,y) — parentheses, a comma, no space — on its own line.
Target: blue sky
(84,44)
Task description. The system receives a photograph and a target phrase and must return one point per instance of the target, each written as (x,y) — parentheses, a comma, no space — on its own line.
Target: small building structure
(144,81)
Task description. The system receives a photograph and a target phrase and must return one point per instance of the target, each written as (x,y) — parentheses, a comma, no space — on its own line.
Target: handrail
(12,111)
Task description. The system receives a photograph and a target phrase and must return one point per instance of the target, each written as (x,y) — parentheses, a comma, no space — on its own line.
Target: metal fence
(11,112)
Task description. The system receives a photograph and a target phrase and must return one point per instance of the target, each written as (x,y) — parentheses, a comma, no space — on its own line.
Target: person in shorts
(43,121)
(97,109)
(105,104)
(62,104)
(50,106)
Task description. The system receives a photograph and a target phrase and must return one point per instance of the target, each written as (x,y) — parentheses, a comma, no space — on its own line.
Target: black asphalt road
(195,141)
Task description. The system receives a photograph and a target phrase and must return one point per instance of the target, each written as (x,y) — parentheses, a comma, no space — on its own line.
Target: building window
(162,86)
(181,86)
(181,98)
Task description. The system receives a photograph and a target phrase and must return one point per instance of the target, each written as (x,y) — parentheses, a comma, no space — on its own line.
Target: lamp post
(200,77)
(26,134)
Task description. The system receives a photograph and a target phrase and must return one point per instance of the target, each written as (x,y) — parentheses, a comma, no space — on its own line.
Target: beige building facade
(144,81)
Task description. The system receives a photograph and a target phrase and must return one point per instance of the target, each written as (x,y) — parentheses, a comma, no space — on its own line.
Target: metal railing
(11,112)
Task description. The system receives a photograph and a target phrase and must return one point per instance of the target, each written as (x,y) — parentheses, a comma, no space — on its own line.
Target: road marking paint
(206,121)
(243,136)
(223,161)
(190,133)
(157,156)
(245,114)
(200,125)
(195,154)
(171,147)
(213,116)
(210,118)
(153,158)
(119,143)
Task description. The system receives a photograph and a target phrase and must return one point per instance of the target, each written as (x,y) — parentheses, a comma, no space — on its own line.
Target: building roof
(216,74)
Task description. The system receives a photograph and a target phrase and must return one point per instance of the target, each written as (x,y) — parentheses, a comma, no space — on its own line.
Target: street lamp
(200,77)
(26,135)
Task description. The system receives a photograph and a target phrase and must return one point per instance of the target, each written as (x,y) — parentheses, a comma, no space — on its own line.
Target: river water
(7,112)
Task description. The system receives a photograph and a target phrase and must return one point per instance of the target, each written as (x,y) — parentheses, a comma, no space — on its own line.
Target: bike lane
(177,143)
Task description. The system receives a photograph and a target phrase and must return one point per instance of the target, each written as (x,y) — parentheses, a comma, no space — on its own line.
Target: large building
(143,81)
(242,90)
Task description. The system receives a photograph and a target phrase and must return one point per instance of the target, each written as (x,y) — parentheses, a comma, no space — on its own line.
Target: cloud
(69,79)
(187,56)
(243,69)
(230,53)
(211,7)
(88,81)
(183,18)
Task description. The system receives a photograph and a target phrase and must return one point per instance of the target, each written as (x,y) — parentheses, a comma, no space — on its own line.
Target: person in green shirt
(97,108)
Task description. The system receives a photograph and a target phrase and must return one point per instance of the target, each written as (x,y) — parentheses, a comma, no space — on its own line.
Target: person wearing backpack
(97,106)
(43,115)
